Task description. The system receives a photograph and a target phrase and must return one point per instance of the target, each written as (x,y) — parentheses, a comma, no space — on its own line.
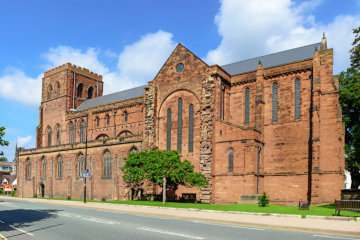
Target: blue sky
(128,41)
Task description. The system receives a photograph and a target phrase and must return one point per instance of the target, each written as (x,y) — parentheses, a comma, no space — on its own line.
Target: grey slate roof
(114,97)
(272,60)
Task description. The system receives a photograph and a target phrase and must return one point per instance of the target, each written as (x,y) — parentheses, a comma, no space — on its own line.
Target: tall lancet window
(231,160)
(168,130)
(297,98)
(180,123)
(191,128)
(275,102)
(247,106)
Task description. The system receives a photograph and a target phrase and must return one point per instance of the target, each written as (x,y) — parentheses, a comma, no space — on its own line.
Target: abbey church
(271,123)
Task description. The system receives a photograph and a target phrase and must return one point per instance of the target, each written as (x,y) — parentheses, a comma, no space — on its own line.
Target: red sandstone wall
(287,147)
(70,184)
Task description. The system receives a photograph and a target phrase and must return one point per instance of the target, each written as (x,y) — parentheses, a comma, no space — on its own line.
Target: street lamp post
(86,141)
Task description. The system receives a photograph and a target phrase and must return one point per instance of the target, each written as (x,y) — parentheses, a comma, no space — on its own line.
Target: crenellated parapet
(72,67)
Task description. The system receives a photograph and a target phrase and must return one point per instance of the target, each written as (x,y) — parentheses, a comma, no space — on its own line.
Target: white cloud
(110,54)
(23,141)
(254,28)
(137,64)
(87,59)
(145,57)
(15,86)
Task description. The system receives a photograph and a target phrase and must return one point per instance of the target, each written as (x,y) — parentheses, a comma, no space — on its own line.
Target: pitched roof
(114,97)
(10,178)
(272,60)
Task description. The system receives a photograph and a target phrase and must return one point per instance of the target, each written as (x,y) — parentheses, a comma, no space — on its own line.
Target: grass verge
(326,210)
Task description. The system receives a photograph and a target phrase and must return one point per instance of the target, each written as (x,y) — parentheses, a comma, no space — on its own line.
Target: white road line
(21,230)
(98,220)
(231,226)
(62,214)
(169,233)
(1,221)
(333,237)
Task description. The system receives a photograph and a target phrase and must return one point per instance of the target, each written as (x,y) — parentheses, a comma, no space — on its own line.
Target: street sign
(86,174)
(7,188)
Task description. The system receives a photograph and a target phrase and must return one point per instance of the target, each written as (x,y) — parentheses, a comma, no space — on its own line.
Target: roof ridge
(119,91)
(112,97)
(270,54)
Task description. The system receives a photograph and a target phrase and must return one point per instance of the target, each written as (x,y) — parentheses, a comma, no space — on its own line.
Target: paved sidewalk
(279,221)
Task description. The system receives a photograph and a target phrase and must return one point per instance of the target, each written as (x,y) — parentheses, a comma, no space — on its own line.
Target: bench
(346,205)
(188,197)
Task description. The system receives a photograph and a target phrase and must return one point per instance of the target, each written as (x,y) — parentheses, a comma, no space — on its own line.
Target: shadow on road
(20,218)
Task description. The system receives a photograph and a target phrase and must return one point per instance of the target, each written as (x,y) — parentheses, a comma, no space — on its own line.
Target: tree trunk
(164,190)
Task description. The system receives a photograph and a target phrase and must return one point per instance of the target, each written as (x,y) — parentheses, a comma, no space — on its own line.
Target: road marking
(3,237)
(323,236)
(169,233)
(21,230)
(1,221)
(98,220)
(232,226)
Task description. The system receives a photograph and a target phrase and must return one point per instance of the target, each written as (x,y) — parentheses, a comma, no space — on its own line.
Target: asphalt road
(27,220)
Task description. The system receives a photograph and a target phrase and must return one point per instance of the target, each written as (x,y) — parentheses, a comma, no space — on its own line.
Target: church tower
(63,88)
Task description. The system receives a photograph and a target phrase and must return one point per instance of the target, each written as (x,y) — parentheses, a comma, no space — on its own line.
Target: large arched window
(71,132)
(107,165)
(82,131)
(247,106)
(275,102)
(79,90)
(231,160)
(50,92)
(107,119)
(49,136)
(180,123)
(43,168)
(58,135)
(297,98)
(57,89)
(168,130)
(125,133)
(102,136)
(191,128)
(80,164)
(59,167)
(28,169)
(134,150)
(90,92)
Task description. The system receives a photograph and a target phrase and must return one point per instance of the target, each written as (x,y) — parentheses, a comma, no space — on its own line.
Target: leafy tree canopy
(154,165)
(3,159)
(355,51)
(2,142)
(349,96)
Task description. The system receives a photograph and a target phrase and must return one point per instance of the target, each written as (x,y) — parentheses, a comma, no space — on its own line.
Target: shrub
(263,200)
(13,193)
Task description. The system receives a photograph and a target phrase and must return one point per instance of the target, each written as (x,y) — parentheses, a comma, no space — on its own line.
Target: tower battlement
(73,67)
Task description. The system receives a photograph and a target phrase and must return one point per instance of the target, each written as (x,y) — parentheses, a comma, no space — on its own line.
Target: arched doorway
(42,190)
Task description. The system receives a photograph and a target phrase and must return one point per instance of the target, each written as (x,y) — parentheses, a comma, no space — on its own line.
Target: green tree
(154,165)
(349,96)
(3,159)
(355,51)
(2,142)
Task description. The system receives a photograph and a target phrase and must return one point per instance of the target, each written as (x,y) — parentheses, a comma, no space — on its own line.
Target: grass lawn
(327,210)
